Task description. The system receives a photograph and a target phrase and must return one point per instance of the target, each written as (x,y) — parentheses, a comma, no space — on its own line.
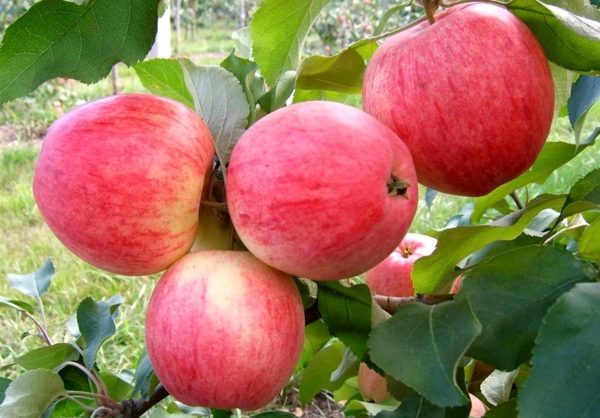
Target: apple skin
(372,385)
(478,408)
(307,190)
(119,181)
(471,95)
(224,330)
(392,277)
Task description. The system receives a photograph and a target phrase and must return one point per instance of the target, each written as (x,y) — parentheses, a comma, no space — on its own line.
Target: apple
(471,95)
(392,277)
(478,408)
(321,190)
(372,385)
(224,330)
(119,181)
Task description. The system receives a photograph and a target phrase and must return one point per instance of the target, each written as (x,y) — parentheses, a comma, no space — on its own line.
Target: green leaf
(96,323)
(522,284)
(4,382)
(118,389)
(33,284)
(16,304)
(279,29)
(553,156)
(31,393)
(497,386)
(422,345)
(504,410)
(584,195)
(219,413)
(584,94)
(57,38)
(145,378)
(245,71)
(219,98)
(278,95)
(416,406)
(570,40)
(356,408)
(564,379)
(48,357)
(332,96)
(347,314)
(498,247)
(75,379)
(165,78)
(589,244)
(316,336)
(342,72)
(563,81)
(435,271)
(317,376)
(243,42)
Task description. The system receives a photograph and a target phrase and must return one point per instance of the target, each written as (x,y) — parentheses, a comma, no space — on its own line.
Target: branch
(389,304)
(392,304)
(135,408)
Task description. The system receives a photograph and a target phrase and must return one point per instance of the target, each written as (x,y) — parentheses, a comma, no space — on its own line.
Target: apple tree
(501,313)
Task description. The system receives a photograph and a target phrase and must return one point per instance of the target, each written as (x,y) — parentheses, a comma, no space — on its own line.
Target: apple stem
(397,186)
(517,201)
(430,8)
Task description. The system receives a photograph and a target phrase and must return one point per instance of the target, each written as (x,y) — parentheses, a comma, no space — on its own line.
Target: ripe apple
(392,277)
(471,95)
(321,190)
(478,408)
(119,181)
(224,330)
(372,385)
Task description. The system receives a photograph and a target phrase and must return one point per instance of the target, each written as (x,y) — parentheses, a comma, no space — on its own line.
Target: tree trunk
(242,13)
(177,24)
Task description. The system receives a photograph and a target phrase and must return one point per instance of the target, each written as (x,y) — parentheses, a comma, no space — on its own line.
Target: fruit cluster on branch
(317,190)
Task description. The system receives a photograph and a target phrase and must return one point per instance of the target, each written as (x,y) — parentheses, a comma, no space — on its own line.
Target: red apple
(471,95)
(372,385)
(224,330)
(321,190)
(119,181)
(478,408)
(392,277)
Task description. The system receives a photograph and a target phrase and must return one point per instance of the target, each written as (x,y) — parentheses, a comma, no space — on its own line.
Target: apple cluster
(317,190)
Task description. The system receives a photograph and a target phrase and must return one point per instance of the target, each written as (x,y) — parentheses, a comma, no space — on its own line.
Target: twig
(392,304)
(517,201)
(135,408)
(389,304)
(41,329)
(100,386)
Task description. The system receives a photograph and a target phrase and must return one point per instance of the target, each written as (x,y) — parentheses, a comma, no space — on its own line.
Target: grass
(26,240)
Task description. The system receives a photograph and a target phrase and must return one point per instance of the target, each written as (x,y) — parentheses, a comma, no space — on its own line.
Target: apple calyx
(397,186)
(430,7)
(406,252)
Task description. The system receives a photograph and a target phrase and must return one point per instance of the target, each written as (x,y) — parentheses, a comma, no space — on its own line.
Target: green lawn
(26,241)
